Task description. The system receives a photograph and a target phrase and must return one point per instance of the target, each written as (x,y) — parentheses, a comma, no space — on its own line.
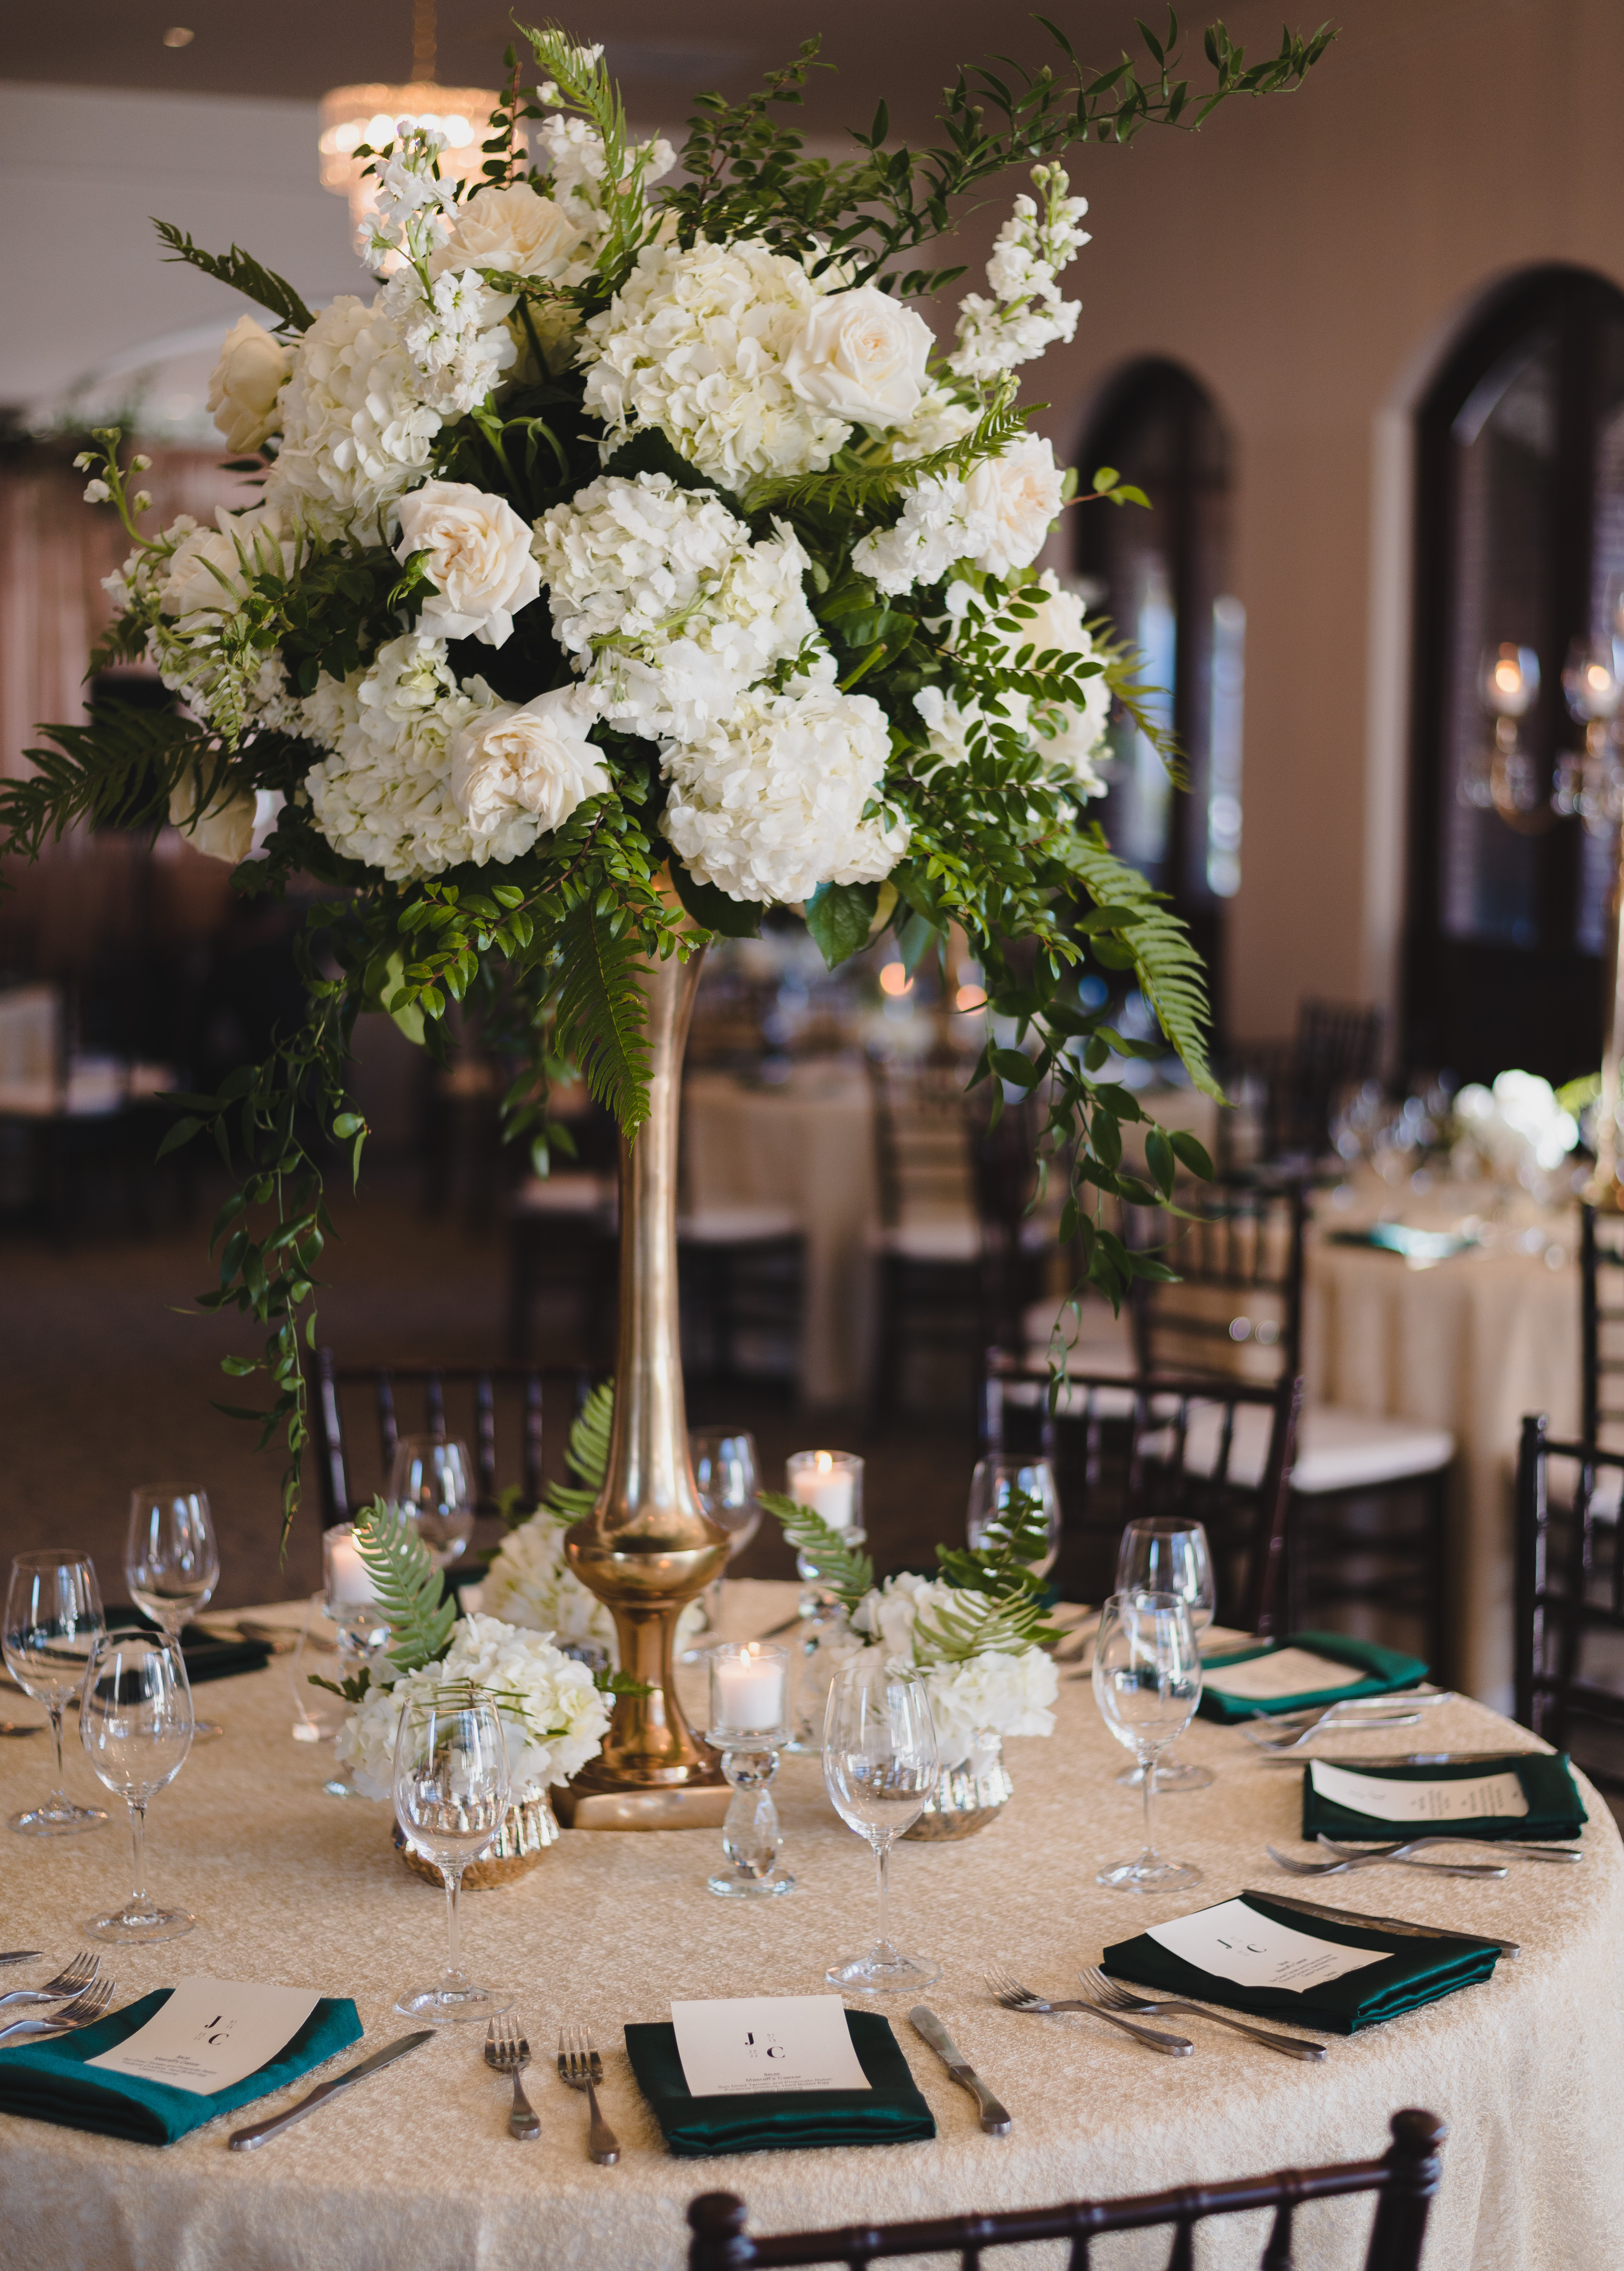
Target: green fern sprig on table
(411,1592)
(847,1573)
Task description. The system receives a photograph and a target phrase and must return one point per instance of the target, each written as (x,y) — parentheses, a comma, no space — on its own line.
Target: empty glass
(1161,1554)
(450,1793)
(879,1767)
(997,1480)
(172,1561)
(1147,1683)
(53,1619)
(429,1482)
(136,1724)
(727,1474)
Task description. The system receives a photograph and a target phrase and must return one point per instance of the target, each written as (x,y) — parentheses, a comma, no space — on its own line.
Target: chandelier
(1586,783)
(351,116)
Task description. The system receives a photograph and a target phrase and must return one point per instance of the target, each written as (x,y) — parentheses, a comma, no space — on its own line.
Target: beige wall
(1308,257)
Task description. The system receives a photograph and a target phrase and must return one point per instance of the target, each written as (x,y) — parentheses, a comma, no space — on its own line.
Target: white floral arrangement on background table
(636,560)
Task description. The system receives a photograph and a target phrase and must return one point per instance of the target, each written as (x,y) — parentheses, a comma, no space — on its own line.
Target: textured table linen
(414,2170)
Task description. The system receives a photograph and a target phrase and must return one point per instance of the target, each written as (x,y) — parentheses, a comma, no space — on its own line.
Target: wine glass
(879,1767)
(428,1485)
(451,1783)
(1161,1554)
(53,1618)
(997,1480)
(728,1476)
(1147,1683)
(136,1724)
(172,1562)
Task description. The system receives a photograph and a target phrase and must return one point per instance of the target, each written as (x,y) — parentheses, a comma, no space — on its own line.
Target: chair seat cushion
(932,1238)
(575,1193)
(737,1225)
(1336,1450)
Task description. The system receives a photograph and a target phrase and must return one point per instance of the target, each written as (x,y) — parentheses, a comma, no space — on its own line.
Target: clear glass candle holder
(748,1725)
(828,1484)
(350,1604)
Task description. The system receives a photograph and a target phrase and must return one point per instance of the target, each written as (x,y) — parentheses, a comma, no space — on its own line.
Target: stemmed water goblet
(172,1562)
(879,1767)
(136,1724)
(1147,1683)
(451,1786)
(1001,1479)
(1159,1553)
(728,1476)
(429,1484)
(53,1619)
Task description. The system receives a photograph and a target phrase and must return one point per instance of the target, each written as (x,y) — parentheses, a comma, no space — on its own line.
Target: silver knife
(1392,1757)
(241,2139)
(1383,1924)
(20,1956)
(995,2119)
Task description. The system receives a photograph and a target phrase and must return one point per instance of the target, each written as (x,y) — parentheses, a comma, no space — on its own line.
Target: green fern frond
(411,1591)
(115,772)
(600,1014)
(1170,971)
(844,491)
(847,1573)
(587,1456)
(243,273)
(1000,1566)
(953,1635)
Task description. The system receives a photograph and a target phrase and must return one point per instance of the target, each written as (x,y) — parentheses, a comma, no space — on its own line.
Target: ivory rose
(536,759)
(514,230)
(1012,501)
(862,358)
(246,385)
(479,559)
(226,830)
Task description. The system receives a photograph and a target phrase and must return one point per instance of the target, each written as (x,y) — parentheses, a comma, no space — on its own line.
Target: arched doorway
(1518,652)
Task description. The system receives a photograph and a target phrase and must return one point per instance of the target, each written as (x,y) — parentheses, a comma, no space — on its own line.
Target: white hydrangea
(663,601)
(695,342)
(941,420)
(1026,313)
(768,804)
(569,151)
(932,533)
(456,334)
(355,427)
(531,1584)
(997,1692)
(995,520)
(189,590)
(553,1718)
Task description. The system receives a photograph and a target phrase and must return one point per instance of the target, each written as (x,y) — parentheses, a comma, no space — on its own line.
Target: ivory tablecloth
(415,2171)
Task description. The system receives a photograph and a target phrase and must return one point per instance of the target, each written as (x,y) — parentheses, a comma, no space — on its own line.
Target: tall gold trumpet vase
(648,1546)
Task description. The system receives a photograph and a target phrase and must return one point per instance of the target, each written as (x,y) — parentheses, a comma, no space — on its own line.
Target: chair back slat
(434,1400)
(484,1437)
(398,1390)
(1570,1597)
(1236,1307)
(389,1432)
(1183,2256)
(1278,2254)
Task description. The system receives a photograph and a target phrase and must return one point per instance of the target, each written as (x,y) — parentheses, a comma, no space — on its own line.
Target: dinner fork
(81,2012)
(1401,1855)
(1110,1992)
(580,2067)
(1413,1845)
(1332,1721)
(508,2051)
(1014,1997)
(68,1981)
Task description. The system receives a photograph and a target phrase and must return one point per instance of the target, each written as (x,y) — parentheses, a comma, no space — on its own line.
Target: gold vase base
(689,1806)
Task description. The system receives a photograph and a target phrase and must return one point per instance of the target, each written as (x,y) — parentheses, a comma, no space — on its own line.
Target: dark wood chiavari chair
(1602,1351)
(1405,2180)
(1570,1601)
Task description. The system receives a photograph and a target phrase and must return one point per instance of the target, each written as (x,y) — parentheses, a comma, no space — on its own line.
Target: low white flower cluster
(530,1583)
(554,1716)
(1026,313)
(997,1692)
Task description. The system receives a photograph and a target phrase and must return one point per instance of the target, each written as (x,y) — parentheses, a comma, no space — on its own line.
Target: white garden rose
(1014,499)
(245,383)
(479,559)
(535,760)
(225,830)
(861,357)
(208,571)
(512,229)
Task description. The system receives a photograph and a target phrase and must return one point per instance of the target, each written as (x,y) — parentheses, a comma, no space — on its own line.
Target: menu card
(752,2043)
(1232,1941)
(1283,1672)
(1478,1798)
(212,2034)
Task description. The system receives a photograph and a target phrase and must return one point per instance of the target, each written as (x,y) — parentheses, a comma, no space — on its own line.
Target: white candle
(826,1489)
(348,1578)
(749,1693)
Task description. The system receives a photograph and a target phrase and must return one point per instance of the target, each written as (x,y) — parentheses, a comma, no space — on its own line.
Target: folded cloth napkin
(1417,1971)
(1384,1671)
(49,2080)
(1555,1808)
(890,2112)
(204,1657)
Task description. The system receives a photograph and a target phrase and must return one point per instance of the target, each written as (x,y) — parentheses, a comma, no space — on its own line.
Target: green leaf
(839,917)
(1193,1152)
(711,906)
(243,273)
(181,1132)
(1158,946)
(587,1456)
(411,1591)
(1158,1158)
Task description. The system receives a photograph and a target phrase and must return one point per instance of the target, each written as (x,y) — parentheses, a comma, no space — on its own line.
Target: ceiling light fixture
(178,36)
(351,116)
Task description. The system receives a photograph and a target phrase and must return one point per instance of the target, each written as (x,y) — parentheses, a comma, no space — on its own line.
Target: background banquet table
(415,2172)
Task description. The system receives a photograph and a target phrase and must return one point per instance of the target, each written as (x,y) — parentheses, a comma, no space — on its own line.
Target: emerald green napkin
(1555,1808)
(1419,1971)
(1384,1669)
(890,2112)
(205,1657)
(49,2080)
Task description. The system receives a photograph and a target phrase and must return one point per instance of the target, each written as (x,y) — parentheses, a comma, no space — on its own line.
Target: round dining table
(415,2171)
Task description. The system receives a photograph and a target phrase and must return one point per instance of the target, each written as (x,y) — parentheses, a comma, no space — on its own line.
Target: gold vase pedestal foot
(648,1545)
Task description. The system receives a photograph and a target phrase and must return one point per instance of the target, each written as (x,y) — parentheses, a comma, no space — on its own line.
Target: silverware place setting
(1010,1992)
(580,2067)
(69,1981)
(508,2052)
(1117,1998)
(1295,1758)
(1401,1855)
(258,2132)
(1510,1847)
(1289,1730)
(82,2012)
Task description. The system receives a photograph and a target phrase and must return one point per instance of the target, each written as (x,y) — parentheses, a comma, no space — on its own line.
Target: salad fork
(1014,1997)
(1409,1845)
(86,2009)
(1111,1993)
(68,1981)
(1401,1855)
(1292,1733)
(580,2067)
(508,2052)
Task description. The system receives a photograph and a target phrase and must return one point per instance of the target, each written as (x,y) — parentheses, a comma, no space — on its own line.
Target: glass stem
(886,1952)
(138,1828)
(453,1885)
(57,1707)
(1149,1806)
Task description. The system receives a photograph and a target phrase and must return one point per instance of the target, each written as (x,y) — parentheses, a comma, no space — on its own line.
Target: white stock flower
(695,343)
(514,230)
(1011,500)
(768,804)
(479,559)
(510,762)
(1026,313)
(246,383)
(860,357)
(458,336)
(933,532)
(355,427)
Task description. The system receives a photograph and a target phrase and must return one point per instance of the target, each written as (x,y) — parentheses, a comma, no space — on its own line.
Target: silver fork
(1335,1720)
(68,1981)
(1409,1845)
(1110,1992)
(580,2067)
(508,2051)
(1400,1855)
(1014,1997)
(90,2005)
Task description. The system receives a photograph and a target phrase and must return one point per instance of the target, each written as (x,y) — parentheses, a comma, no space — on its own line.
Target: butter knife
(1383,1924)
(1388,1758)
(995,2120)
(241,2139)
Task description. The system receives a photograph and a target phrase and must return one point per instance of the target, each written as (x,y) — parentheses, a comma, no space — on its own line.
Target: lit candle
(825,1482)
(348,1579)
(746,1690)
